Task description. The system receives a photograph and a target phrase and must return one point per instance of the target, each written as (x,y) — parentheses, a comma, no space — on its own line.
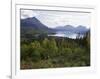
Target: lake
(66,34)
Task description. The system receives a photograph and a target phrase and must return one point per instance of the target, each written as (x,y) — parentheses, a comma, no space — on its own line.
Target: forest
(42,51)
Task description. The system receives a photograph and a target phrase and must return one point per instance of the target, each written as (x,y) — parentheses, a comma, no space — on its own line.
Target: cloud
(53,19)
(27,14)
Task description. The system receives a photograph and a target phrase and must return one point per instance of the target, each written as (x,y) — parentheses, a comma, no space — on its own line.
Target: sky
(54,19)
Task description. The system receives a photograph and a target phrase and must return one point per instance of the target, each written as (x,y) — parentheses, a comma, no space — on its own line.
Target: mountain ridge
(35,24)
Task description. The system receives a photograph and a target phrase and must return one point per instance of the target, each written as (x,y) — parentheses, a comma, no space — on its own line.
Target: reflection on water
(66,34)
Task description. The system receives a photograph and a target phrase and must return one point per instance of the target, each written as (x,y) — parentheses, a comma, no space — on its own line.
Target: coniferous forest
(42,51)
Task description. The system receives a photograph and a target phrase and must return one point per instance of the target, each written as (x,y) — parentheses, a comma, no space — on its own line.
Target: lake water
(66,34)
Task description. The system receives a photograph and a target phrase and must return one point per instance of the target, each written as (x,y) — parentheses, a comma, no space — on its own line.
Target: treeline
(50,52)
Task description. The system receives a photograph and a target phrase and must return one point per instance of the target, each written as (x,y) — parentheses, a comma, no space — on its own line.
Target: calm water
(66,34)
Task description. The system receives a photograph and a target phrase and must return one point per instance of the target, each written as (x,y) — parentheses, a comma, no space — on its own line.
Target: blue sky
(53,19)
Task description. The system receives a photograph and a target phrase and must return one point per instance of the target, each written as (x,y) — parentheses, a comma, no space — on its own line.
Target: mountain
(81,29)
(65,28)
(78,29)
(33,23)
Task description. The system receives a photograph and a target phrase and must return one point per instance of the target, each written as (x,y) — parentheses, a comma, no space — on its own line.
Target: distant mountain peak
(81,26)
(78,29)
(68,26)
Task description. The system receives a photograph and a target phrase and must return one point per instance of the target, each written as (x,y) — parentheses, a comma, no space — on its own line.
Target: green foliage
(46,52)
(25,50)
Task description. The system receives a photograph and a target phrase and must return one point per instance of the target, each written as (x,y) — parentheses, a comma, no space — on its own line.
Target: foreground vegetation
(42,51)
